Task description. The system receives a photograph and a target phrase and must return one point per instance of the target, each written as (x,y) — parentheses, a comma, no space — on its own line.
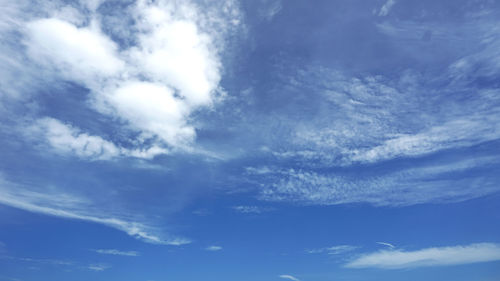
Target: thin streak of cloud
(251,209)
(117,252)
(386,8)
(289,277)
(334,250)
(71,207)
(386,244)
(213,248)
(438,256)
(98,267)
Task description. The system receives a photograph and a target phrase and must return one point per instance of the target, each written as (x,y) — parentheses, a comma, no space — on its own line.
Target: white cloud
(80,53)
(269,8)
(399,188)
(250,209)
(154,109)
(66,139)
(288,277)
(439,256)
(117,252)
(386,244)
(386,8)
(213,248)
(171,68)
(64,205)
(98,267)
(334,250)
(174,51)
(453,134)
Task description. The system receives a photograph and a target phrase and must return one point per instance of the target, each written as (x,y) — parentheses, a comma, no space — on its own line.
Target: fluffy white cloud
(153,108)
(174,51)
(65,138)
(79,53)
(439,256)
(171,68)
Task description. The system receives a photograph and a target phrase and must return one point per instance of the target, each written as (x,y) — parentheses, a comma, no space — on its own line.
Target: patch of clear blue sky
(289,76)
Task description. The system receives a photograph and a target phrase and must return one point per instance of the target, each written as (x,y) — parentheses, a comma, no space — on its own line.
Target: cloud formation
(98,267)
(386,8)
(386,244)
(69,206)
(430,183)
(251,209)
(213,248)
(117,252)
(438,256)
(288,277)
(171,68)
(334,250)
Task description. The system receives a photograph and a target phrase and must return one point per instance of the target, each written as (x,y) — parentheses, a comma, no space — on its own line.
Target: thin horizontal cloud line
(436,256)
(213,248)
(70,207)
(289,277)
(117,252)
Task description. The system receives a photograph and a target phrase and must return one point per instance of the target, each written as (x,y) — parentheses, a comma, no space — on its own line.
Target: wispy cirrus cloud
(334,250)
(289,277)
(437,256)
(431,183)
(213,248)
(116,252)
(386,244)
(70,206)
(386,8)
(98,267)
(251,209)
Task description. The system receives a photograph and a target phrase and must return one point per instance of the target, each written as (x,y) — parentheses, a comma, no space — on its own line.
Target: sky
(214,140)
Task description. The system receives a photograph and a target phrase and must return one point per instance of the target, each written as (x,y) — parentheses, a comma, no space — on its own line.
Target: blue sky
(250,140)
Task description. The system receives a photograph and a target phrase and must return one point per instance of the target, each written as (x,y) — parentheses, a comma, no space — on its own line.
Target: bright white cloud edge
(116,252)
(288,277)
(436,256)
(213,248)
(71,207)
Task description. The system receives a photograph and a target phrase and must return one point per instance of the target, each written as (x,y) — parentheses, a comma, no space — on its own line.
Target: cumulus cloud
(66,139)
(117,252)
(79,53)
(438,256)
(171,68)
